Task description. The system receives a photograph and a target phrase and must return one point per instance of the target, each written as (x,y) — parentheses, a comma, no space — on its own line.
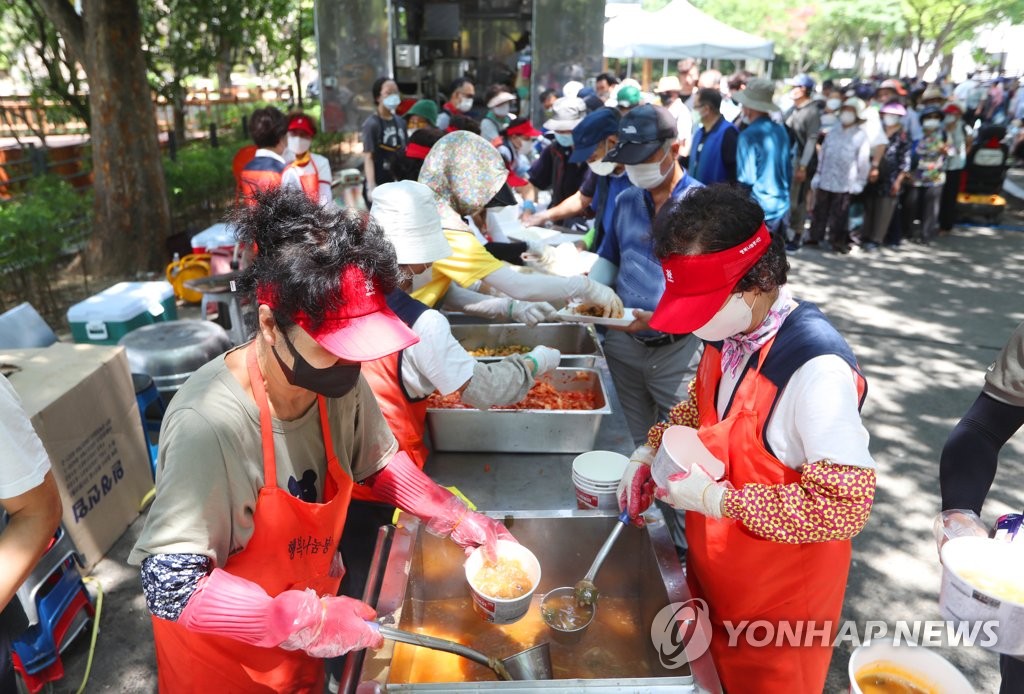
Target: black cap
(503,198)
(641,133)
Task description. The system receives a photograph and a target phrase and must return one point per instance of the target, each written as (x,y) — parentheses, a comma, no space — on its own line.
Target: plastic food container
(922,664)
(680,448)
(595,477)
(105,318)
(498,610)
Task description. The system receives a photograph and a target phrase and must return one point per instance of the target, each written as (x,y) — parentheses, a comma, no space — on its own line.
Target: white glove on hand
(536,246)
(544,359)
(693,491)
(596,294)
(636,487)
(532,312)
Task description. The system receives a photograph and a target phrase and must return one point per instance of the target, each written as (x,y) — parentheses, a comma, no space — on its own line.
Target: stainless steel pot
(170,352)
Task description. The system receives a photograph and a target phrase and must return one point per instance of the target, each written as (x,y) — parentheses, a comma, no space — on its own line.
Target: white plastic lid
(122,302)
(600,466)
(217,236)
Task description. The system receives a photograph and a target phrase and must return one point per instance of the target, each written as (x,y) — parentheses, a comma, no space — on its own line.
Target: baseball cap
(301,123)
(894,85)
(696,286)
(407,212)
(523,127)
(362,328)
(801,80)
(567,113)
(641,132)
(501,98)
(628,95)
(591,132)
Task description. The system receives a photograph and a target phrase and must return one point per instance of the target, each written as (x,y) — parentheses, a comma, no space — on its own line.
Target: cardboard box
(82,404)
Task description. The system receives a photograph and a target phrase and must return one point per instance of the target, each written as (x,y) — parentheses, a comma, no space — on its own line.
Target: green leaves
(36,227)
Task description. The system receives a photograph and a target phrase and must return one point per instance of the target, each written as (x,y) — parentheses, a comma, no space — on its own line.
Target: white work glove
(532,312)
(636,488)
(957,522)
(536,246)
(595,294)
(694,490)
(544,359)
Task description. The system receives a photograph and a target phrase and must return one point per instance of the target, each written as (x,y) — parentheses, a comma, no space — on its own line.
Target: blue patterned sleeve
(169,580)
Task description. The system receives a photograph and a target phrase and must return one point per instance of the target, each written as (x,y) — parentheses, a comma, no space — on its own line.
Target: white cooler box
(105,318)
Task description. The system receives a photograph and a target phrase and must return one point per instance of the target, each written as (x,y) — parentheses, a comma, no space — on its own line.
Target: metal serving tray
(411,569)
(525,431)
(577,343)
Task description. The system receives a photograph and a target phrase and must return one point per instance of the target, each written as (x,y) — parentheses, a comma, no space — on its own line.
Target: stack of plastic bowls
(596,475)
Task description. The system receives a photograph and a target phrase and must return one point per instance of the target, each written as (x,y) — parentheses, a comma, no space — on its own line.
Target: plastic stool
(148,398)
(229,313)
(61,549)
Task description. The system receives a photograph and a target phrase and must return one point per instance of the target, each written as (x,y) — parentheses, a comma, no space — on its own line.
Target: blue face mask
(564,140)
(391,101)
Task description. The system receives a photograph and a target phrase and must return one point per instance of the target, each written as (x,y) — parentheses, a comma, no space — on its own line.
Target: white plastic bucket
(924,665)
(680,448)
(962,601)
(498,610)
(595,477)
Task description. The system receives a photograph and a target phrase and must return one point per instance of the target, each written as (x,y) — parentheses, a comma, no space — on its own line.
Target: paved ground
(925,322)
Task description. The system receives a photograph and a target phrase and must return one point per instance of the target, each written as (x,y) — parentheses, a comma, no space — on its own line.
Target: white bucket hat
(407,211)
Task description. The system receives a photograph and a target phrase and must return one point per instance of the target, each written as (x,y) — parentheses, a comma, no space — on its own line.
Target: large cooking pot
(170,352)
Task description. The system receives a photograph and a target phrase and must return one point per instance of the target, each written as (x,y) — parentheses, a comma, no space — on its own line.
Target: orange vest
(294,546)
(309,180)
(262,173)
(745,577)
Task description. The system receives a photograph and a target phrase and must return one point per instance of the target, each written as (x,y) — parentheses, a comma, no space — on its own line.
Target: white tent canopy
(680,30)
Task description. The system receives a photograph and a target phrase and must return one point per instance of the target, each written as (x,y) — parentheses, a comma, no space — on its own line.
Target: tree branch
(68,23)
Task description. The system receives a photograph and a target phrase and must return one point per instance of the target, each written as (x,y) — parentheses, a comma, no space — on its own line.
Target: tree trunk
(132,220)
(224,69)
(178,107)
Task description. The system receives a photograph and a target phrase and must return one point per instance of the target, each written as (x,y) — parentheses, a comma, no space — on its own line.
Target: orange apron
(744,577)
(310,182)
(406,417)
(293,546)
(259,174)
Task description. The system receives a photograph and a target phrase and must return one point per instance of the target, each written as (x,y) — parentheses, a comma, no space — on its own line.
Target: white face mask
(847,118)
(525,147)
(648,176)
(834,104)
(890,119)
(602,168)
(732,319)
(298,144)
(930,124)
(502,110)
(949,119)
(466,104)
(828,120)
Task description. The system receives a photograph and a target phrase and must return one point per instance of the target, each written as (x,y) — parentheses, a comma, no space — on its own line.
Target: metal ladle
(585,590)
(532,664)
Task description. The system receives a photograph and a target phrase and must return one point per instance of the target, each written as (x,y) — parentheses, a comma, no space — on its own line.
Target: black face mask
(332,382)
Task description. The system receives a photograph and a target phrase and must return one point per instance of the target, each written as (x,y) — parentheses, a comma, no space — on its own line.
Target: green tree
(934,27)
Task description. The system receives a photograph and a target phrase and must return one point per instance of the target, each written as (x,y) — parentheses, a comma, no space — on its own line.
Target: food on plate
(593,311)
(884,677)
(505,579)
(542,396)
(499,351)
(562,612)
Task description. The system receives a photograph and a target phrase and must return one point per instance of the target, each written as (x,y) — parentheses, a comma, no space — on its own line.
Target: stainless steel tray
(412,568)
(525,431)
(577,343)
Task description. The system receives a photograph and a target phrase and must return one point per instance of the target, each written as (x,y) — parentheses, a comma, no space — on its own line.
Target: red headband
(696,286)
(415,151)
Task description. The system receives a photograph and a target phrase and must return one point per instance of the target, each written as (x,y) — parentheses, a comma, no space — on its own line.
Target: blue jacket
(713,154)
(764,166)
(629,245)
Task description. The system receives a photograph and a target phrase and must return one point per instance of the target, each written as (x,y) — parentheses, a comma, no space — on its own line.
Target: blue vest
(706,162)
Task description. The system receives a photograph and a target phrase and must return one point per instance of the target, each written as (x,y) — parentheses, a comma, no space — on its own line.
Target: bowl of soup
(882,668)
(983,582)
(502,590)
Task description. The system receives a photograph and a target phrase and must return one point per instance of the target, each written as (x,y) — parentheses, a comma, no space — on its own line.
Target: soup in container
(502,592)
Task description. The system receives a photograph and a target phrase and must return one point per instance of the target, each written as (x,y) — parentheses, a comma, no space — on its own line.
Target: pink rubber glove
(228,605)
(636,488)
(404,485)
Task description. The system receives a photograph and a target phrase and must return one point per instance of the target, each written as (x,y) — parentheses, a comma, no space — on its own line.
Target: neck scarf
(302,159)
(737,348)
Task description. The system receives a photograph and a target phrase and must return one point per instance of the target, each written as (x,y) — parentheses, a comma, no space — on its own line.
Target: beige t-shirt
(1004,379)
(210,467)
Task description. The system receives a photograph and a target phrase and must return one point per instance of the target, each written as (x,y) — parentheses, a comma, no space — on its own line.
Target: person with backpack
(383,135)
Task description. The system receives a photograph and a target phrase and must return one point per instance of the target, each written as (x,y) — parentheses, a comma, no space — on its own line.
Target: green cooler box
(105,318)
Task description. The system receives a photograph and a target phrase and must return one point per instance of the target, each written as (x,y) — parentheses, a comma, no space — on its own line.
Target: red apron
(406,417)
(253,180)
(744,577)
(310,182)
(293,546)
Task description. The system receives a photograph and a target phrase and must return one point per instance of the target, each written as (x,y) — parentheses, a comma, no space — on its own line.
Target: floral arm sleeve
(685,413)
(830,502)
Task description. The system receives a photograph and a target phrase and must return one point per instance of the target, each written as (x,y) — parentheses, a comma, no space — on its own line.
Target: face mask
(834,104)
(930,124)
(890,119)
(525,147)
(602,168)
(332,382)
(299,144)
(847,118)
(648,176)
(466,105)
(731,319)
(564,139)
(746,119)
(502,110)
(391,101)
(828,120)
(950,119)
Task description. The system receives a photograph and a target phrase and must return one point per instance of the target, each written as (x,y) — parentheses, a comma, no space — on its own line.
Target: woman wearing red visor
(776,399)
(259,453)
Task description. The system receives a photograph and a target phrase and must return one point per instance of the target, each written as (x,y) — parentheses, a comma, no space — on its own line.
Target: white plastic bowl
(498,610)
(924,663)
